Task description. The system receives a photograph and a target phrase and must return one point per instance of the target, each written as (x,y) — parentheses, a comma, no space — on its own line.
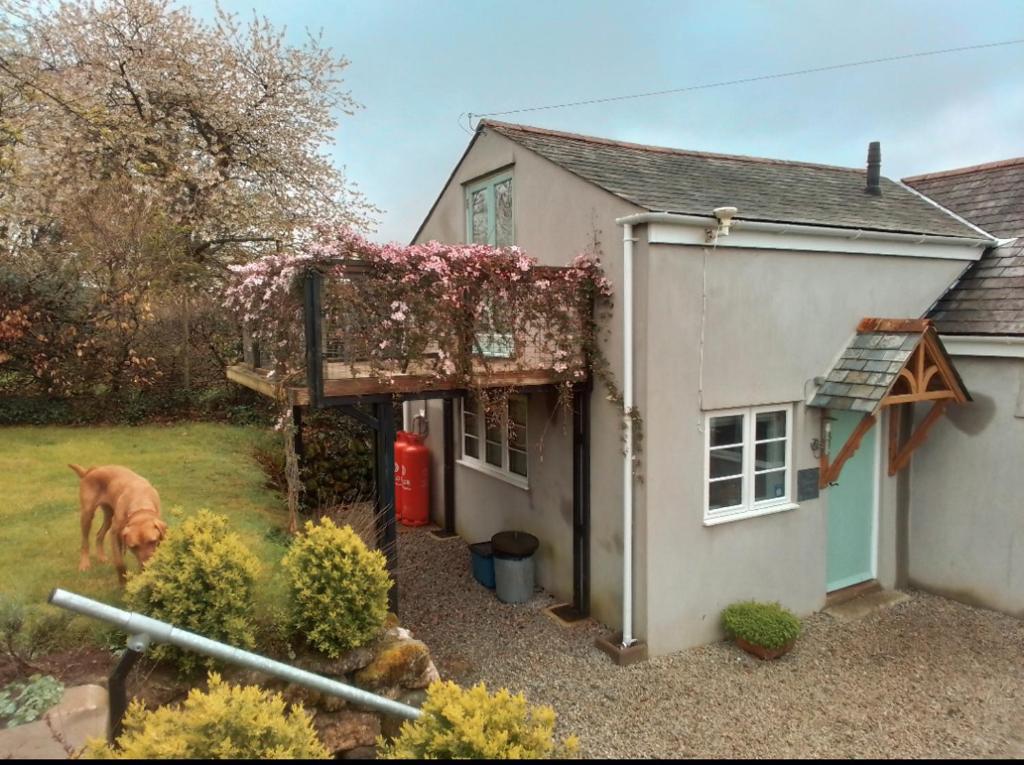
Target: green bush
(768,625)
(337,461)
(339,587)
(473,724)
(200,579)
(23,702)
(226,723)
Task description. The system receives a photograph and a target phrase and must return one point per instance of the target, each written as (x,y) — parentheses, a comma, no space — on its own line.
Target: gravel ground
(927,677)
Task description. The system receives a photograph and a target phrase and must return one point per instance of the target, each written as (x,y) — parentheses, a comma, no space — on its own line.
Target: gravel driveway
(927,677)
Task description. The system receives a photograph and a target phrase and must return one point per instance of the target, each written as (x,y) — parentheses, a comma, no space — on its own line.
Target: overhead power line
(743,80)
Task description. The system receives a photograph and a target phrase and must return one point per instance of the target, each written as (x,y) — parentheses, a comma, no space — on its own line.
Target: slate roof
(990,196)
(871,363)
(989,298)
(866,370)
(688,182)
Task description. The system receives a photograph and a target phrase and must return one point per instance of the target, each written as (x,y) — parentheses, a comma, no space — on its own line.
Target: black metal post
(449,466)
(118,692)
(297,421)
(314,338)
(384,475)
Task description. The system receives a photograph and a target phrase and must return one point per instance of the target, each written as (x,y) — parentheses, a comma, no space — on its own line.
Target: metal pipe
(627,461)
(161,632)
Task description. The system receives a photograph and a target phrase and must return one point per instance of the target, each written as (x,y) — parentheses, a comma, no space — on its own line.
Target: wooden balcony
(330,374)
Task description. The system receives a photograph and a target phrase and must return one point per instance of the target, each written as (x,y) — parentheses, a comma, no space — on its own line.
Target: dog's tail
(79,469)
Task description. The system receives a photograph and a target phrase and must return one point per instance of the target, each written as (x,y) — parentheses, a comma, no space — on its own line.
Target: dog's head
(142,535)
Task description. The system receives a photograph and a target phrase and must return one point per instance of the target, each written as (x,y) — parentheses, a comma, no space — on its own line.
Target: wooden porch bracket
(829,471)
(901,458)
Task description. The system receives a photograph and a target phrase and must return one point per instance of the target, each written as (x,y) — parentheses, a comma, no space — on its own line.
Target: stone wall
(396,666)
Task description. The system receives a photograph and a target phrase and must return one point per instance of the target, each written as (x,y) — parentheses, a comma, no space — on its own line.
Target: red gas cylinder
(401,478)
(416,486)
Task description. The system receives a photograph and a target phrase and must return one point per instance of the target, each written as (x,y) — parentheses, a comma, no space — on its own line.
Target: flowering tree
(141,151)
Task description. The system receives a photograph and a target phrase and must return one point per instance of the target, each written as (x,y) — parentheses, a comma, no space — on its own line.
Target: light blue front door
(851,508)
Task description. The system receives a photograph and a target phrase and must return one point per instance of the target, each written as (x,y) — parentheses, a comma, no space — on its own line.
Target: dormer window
(489,211)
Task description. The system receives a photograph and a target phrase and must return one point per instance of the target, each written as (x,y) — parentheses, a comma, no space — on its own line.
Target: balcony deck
(339,382)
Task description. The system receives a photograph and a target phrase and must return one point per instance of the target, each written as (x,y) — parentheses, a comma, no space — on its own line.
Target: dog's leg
(117,553)
(108,517)
(88,510)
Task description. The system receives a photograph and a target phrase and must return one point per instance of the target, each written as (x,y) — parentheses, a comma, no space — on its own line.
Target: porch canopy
(891,363)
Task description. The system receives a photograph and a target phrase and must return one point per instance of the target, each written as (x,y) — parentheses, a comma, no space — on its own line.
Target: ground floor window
(496,444)
(748,458)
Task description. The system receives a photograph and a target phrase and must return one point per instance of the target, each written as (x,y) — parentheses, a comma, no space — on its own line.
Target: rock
(397,633)
(414,698)
(330,703)
(344,665)
(397,663)
(346,730)
(428,676)
(361,753)
(299,694)
(80,715)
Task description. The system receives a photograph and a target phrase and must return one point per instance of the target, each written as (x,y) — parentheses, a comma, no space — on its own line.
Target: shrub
(339,587)
(768,625)
(200,579)
(473,724)
(227,722)
(23,702)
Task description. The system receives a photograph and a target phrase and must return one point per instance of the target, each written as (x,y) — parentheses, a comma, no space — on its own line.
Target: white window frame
(748,508)
(480,463)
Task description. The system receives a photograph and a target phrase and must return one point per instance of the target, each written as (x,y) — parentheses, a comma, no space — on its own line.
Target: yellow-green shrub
(228,722)
(339,587)
(200,579)
(473,724)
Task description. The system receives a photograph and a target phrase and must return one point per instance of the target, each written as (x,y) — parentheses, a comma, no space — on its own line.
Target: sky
(418,65)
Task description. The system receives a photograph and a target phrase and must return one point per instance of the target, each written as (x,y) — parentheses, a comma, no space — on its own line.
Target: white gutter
(673,228)
(627,409)
(1005,346)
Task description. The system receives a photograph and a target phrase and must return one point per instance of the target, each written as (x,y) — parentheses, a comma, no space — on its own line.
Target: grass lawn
(192,466)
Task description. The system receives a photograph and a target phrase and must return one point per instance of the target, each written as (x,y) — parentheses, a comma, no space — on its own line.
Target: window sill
(518,481)
(744,514)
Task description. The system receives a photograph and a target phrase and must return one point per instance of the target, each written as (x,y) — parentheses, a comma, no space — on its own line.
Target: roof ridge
(662,149)
(965,170)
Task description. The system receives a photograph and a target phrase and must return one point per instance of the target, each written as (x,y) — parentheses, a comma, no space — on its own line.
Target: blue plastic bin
(482,556)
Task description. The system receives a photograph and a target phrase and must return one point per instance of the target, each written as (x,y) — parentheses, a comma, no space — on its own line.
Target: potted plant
(767,630)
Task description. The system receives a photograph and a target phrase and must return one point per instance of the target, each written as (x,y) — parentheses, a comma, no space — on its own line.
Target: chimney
(874,169)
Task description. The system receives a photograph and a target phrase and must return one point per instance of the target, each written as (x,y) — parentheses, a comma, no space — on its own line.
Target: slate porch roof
(989,298)
(871,363)
(867,369)
(661,179)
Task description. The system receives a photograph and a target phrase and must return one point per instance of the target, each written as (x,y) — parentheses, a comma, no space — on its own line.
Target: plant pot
(763,653)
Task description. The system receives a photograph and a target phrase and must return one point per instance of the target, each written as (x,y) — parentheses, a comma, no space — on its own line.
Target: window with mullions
(489,211)
(496,446)
(747,462)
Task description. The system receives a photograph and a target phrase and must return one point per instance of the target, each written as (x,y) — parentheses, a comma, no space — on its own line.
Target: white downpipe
(627,461)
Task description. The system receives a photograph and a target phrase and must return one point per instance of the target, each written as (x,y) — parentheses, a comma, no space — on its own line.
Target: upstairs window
(489,211)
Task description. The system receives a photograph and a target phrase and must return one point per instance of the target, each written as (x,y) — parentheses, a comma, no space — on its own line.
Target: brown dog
(131,508)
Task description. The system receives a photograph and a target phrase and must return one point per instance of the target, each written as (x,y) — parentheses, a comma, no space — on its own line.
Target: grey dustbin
(513,565)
